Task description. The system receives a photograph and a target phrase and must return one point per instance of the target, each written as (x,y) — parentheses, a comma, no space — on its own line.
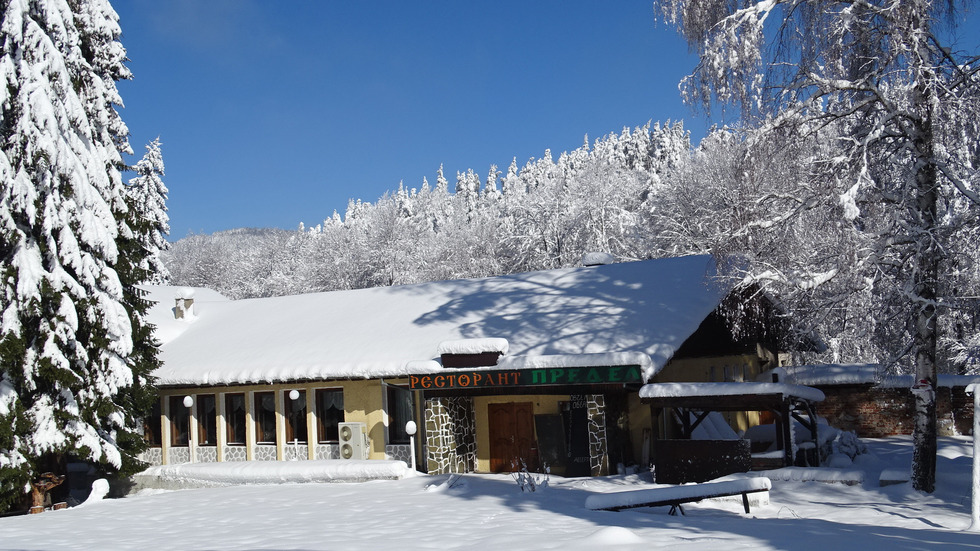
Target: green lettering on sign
(556,376)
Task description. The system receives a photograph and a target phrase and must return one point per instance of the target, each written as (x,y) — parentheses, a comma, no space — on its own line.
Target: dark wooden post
(788,458)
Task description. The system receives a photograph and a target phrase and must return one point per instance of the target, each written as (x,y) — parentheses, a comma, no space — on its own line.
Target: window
(207,421)
(296,418)
(329,412)
(400,411)
(265,417)
(235,418)
(179,421)
(151,426)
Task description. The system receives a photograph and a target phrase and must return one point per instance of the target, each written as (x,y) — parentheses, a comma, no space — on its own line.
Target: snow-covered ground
(491,512)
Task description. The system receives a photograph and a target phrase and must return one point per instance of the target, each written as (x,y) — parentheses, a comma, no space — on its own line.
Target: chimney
(184,308)
(597,259)
(472,352)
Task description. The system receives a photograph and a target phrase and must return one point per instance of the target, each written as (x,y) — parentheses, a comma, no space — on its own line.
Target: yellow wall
(543,405)
(363,402)
(640,422)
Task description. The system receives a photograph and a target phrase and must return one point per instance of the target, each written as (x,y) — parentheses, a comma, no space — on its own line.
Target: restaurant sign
(528,377)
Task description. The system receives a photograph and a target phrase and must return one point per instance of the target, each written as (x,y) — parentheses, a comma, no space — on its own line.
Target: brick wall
(874,412)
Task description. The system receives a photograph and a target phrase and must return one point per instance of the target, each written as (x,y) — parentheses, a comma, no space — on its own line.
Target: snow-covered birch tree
(66,340)
(879,71)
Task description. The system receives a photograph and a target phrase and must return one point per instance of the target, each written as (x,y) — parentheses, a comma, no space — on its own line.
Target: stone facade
(206,454)
(233,453)
(399,452)
(598,459)
(450,432)
(327,451)
(177,455)
(876,412)
(296,452)
(264,453)
(152,456)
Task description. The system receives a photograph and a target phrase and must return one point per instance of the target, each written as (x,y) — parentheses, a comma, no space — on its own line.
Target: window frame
(206,420)
(152,425)
(323,431)
(233,422)
(289,414)
(179,414)
(263,416)
(396,433)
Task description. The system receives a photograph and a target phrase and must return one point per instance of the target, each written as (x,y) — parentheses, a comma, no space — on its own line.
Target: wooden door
(512,437)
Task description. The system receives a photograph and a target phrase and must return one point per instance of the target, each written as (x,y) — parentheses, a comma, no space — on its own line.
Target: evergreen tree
(66,337)
(147,201)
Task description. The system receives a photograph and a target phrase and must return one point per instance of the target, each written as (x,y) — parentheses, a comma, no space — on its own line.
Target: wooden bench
(677,495)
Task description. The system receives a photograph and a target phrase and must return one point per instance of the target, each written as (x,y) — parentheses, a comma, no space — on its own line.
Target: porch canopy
(786,401)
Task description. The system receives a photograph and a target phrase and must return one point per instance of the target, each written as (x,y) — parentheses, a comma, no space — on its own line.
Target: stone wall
(264,452)
(233,453)
(177,454)
(152,456)
(399,452)
(205,454)
(875,412)
(327,451)
(450,435)
(597,435)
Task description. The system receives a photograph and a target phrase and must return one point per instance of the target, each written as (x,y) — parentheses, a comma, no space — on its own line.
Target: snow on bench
(676,495)
(890,477)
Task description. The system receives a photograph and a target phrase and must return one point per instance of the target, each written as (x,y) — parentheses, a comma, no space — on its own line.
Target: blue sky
(276,113)
(273,113)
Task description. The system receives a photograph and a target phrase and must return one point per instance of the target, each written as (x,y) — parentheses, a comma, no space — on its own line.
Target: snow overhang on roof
(647,307)
(712,390)
(473,346)
(826,375)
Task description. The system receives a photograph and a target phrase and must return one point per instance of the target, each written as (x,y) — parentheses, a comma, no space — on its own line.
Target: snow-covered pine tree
(146,197)
(881,71)
(510,185)
(66,340)
(141,241)
(490,189)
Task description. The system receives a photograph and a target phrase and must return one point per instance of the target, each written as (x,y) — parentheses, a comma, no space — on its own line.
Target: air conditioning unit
(353,440)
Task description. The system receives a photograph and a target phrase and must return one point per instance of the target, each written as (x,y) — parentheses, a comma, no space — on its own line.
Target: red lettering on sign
(426,381)
(476,379)
(464,380)
(440,381)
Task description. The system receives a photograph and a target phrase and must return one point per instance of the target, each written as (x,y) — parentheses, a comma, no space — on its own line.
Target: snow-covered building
(536,369)
(867,400)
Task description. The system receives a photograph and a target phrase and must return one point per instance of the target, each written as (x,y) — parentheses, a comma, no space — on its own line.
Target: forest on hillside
(812,242)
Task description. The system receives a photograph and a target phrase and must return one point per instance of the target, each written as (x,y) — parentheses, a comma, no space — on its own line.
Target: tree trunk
(925,280)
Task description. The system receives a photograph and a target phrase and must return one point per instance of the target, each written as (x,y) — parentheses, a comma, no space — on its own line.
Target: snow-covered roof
(473,346)
(164,300)
(856,374)
(646,308)
(708,390)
